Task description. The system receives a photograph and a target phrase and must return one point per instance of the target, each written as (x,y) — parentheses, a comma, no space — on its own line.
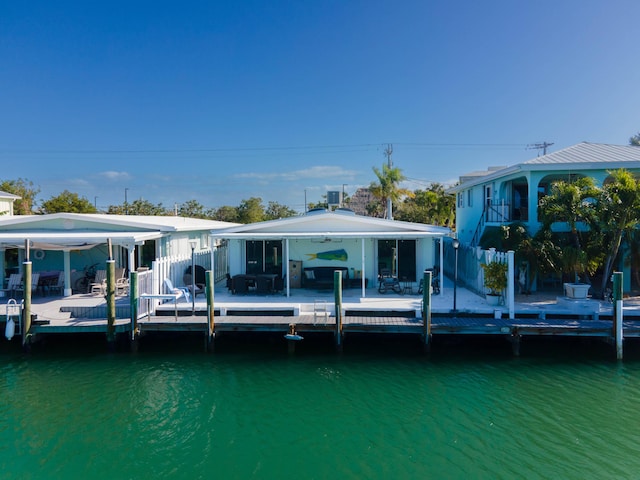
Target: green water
(375,411)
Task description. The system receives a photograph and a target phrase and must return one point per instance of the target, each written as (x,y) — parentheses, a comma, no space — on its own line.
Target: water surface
(379,410)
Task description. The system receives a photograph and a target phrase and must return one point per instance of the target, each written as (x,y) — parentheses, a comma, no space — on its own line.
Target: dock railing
(151,282)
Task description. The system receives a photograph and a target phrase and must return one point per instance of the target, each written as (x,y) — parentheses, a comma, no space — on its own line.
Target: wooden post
(291,344)
(26,313)
(515,342)
(511,305)
(337,290)
(133,304)
(426,309)
(111,301)
(617,313)
(211,332)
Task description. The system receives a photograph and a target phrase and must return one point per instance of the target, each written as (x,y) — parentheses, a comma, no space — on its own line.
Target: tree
(635,140)
(138,207)
(432,206)
(68,202)
(25,190)
(251,210)
(573,203)
(276,210)
(387,187)
(225,213)
(192,209)
(618,215)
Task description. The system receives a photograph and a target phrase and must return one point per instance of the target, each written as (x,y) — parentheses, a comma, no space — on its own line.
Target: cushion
(309,275)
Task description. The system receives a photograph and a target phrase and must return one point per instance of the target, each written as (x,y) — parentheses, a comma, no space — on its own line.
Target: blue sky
(285,100)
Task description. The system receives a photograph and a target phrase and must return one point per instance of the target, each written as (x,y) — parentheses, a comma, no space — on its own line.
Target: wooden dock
(305,316)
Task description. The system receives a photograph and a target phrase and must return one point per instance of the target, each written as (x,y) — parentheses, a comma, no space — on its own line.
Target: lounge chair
(35,277)
(59,285)
(99,284)
(15,280)
(181,291)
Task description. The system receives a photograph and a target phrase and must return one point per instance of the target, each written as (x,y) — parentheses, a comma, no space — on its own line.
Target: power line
(262,149)
(539,146)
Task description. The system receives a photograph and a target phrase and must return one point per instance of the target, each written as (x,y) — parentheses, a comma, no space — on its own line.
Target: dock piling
(426,309)
(211,332)
(337,290)
(26,312)
(111,299)
(133,305)
(617,313)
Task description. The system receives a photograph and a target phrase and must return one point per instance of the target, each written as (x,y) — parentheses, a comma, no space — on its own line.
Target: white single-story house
(71,242)
(360,246)
(6,203)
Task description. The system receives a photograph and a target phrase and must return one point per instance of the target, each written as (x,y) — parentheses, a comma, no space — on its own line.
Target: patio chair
(58,287)
(99,284)
(122,286)
(35,277)
(199,288)
(15,280)
(181,291)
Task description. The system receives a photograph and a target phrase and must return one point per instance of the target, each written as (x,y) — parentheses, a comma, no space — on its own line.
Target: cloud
(115,176)
(316,173)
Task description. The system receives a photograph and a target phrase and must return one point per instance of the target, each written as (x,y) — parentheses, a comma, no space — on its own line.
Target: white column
(131,260)
(363,274)
(441,273)
(68,290)
(286,254)
(2,265)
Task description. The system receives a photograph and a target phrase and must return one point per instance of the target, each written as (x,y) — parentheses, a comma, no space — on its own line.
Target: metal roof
(583,156)
(332,225)
(76,231)
(596,153)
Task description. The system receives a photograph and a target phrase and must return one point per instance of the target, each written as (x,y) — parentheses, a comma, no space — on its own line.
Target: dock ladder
(14,319)
(320,311)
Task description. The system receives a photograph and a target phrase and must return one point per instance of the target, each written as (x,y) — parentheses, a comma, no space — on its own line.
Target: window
(470,197)
(460,200)
(398,256)
(264,256)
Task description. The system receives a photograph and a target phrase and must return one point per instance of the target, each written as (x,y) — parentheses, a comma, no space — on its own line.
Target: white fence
(174,268)
(471,274)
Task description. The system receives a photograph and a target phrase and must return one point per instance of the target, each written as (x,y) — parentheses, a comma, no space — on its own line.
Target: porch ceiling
(73,240)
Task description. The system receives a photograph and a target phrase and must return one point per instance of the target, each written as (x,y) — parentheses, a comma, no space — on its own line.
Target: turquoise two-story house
(503,195)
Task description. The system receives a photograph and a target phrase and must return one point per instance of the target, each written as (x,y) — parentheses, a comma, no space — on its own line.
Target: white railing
(471,274)
(173,268)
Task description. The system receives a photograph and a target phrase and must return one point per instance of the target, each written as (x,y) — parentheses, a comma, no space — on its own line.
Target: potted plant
(495,280)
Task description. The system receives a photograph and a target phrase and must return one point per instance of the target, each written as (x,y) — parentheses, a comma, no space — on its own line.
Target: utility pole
(539,146)
(388,151)
(342,199)
(126,205)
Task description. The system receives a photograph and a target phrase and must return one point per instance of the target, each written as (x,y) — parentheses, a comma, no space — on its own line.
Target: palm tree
(572,203)
(618,213)
(387,190)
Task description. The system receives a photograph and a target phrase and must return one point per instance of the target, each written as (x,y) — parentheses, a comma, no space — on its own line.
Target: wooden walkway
(308,323)
(388,315)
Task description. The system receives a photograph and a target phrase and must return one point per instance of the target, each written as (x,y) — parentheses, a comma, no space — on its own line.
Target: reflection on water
(379,410)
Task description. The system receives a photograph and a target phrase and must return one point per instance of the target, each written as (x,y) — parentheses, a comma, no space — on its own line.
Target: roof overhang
(73,240)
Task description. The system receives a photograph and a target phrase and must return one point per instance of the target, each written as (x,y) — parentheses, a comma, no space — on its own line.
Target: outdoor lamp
(456,244)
